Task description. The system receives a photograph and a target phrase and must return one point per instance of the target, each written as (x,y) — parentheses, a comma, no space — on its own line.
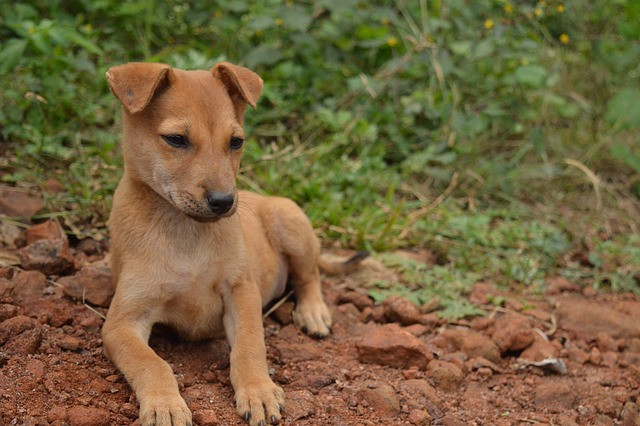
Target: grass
(501,135)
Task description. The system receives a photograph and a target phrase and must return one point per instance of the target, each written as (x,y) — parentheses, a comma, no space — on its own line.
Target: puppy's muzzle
(220,202)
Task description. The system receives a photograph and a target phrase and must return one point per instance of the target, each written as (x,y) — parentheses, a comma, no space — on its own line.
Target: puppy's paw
(164,410)
(260,404)
(313,319)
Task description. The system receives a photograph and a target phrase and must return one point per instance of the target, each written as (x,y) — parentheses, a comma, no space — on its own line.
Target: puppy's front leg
(258,399)
(149,375)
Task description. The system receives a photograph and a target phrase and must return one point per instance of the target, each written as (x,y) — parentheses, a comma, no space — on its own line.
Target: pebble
(381,397)
(472,343)
(445,375)
(48,230)
(392,346)
(93,284)
(51,257)
(361,301)
(513,333)
(419,418)
(401,310)
(205,418)
(87,416)
(14,326)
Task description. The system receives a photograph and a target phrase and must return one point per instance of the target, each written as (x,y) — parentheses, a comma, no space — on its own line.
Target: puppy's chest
(195,305)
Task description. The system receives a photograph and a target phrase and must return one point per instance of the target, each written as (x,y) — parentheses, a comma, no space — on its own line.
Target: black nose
(220,202)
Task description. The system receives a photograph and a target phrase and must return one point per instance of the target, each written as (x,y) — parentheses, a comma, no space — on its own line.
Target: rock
(9,233)
(314,381)
(555,395)
(630,414)
(129,410)
(585,319)
(300,404)
(284,313)
(16,202)
(417,329)
(71,343)
(95,284)
(51,257)
(419,418)
(15,326)
(48,230)
(28,288)
(605,343)
(7,311)
(205,418)
(420,388)
(359,300)
(87,416)
(57,414)
(89,246)
(578,355)
(26,343)
(513,333)
(399,309)
(445,375)
(381,398)
(540,350)
(392,346)
(471,343)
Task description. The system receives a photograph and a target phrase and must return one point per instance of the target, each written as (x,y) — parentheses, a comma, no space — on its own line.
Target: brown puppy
(188,249)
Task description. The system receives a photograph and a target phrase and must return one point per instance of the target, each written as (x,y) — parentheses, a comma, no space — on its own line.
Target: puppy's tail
(338,267)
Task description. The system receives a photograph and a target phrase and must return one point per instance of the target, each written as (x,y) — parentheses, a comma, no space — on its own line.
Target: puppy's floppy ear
(135,83)
(243,85)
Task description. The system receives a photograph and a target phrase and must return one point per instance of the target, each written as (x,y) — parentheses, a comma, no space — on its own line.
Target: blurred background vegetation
(502,135)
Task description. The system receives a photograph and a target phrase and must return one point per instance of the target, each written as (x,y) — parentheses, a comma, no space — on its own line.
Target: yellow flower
(560,8)
(392,41)
(278,22)
(564,38)
(542,3)
(488,24)
(217,13)
(384,21)
(538,12)
(508,8)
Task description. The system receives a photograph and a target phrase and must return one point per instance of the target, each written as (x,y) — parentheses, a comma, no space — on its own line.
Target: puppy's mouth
(199,211)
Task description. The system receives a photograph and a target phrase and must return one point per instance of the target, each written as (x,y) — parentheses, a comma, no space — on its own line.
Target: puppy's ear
(243,85)
(135,83)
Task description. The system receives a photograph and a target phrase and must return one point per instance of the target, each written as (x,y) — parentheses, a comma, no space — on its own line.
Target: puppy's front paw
(260,404)
(313,318)
(164,410)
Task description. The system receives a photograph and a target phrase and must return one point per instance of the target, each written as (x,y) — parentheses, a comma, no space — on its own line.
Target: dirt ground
(568,357)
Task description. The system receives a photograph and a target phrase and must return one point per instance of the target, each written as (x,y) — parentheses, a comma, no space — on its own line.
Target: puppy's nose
(220,202)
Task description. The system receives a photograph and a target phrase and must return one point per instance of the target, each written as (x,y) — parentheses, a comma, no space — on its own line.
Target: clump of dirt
(569,357)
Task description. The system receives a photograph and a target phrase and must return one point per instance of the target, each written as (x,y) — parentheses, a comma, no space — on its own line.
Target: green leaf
(531,75)
(262,55)
(296,18)
(623,111)
(11,54)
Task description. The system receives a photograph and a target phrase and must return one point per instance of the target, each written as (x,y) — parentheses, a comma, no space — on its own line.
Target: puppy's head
(183,132)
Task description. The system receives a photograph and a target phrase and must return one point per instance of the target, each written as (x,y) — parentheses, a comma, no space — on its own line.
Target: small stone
(300,405)
(445,375)
(381,397)
(88,416)
(51,257)
(15,326)
(48,230)
(16,202)
(540,350)
(95,284)
(205,418)
(7,311)
(595,357)
(471,343)
(57,414)
(361,301)
(557,285)
(420,388)
(392,346)
(605,342)
(284,313)
(578,355)
(28,288)
(399,309)
(513,333)
(26,343)
(70,343)
(419,418)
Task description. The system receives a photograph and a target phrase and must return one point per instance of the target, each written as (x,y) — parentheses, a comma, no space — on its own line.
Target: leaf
(623,154)
(531,75)
(296,18)
(11,54)
(262,55)
(622,110)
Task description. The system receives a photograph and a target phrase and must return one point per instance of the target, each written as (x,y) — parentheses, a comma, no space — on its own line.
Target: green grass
(501,134)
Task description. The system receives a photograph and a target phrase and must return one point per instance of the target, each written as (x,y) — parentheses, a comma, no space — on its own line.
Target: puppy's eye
(177,141)
(236,143)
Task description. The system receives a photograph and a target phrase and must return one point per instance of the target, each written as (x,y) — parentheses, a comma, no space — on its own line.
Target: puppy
(189,250)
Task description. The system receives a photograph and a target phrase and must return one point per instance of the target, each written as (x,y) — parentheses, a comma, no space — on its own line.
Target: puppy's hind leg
(302,249)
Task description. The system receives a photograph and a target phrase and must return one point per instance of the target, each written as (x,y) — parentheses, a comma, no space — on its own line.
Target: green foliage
(381,118)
